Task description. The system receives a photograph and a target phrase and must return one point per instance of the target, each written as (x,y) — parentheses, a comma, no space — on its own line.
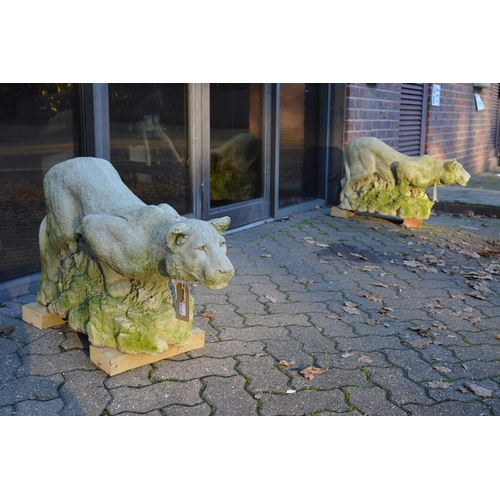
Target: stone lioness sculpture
(379,178)
(131,240)
(108,259)
(366,156)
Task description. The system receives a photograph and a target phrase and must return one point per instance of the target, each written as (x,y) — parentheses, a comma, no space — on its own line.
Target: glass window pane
(149,141)
(39,127)
(299,161)
(236,125)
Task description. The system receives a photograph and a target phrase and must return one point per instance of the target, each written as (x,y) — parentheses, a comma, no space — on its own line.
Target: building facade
(252,151)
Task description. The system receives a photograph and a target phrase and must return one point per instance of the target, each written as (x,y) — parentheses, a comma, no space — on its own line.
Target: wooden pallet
(37,315)
(113,362)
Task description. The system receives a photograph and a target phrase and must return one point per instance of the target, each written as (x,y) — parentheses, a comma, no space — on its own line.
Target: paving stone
(40,408)
(171,369)
(83,393)
(49,364)
(262,374)
(230,348)
(333,378)
(448,408)
(312,340)
(154,396)
(30,388)
(399,389)
(304,402)
(138,377)
(200,410)
(253,333)
(8,367)
(372,401)
(227,396)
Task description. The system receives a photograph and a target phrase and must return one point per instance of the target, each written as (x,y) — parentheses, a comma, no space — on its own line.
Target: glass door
(239,168)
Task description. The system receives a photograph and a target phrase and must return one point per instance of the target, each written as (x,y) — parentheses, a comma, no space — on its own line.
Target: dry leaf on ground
(304,281)
(208,315)
(419,344)
(441,369)
(373,298)
(372,322)
(311,371)
(438,385)
(358,256)
(424,332)
(478,390)
(6,330)
(365,359)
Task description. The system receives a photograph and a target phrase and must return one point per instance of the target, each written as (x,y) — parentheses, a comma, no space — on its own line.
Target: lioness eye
(201,248)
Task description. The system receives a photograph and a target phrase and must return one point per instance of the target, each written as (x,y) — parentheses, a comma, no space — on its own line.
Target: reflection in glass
(39,127)
(149,137)
(299,162)
(236,125)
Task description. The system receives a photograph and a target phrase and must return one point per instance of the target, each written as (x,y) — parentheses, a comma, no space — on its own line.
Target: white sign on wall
(436,94)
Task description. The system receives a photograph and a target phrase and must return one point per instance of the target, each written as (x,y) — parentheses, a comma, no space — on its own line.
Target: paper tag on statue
(182,308)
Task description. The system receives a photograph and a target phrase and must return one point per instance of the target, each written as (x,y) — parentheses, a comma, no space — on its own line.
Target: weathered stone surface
(110,263)
(379,179)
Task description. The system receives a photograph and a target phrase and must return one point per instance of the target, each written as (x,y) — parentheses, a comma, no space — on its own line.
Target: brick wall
(372,110)
(455,129)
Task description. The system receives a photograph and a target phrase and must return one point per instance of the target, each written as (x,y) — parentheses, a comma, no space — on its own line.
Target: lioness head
(456,173)
(198,252)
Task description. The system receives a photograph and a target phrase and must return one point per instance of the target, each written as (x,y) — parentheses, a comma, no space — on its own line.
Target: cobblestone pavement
(324,316)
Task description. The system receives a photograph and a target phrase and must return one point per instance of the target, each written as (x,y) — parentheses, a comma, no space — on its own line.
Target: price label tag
(182,301)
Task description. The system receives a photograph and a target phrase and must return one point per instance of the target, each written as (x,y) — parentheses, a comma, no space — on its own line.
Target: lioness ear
(221,224)
(448,165)
(177,235)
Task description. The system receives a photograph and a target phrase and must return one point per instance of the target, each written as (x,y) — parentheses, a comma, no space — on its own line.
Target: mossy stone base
(144,321)
(376,196)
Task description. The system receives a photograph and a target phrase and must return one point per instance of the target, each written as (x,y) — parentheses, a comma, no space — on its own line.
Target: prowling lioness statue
(110,262)
(380,179)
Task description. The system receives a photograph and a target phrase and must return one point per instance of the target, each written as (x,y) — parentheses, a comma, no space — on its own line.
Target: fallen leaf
(266,255)
(208,315)
(381,285)
(346,354)
(365,359)
(332,316)
(323,261)
(6,330)
(270,299)
(351,304)
(438,385)
(477,295)
(458,297)
(442,369)
(304,281)
(498,337)
(286,364)
(473,321)
(322,245)
(424,332)
(310,372)
(358,256)
(372,322)
(419,344)
(351,310)
(478,390)
(373,298)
